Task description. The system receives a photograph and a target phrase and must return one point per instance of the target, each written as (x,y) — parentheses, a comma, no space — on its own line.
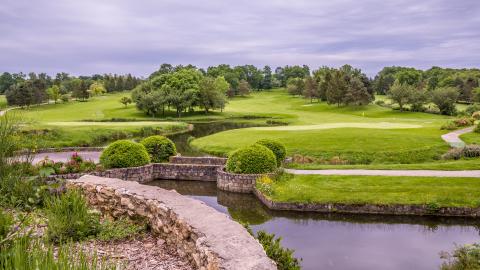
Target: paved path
(432,173)
(453,138)
(65,156)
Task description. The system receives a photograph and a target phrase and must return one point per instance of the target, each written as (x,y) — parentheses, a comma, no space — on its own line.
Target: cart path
(453,138)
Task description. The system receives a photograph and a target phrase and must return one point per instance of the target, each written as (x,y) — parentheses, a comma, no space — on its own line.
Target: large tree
(212,93)
(401,94)
(445,99)
(295,86)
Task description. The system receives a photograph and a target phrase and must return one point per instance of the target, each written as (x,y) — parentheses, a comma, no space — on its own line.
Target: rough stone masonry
(209,239)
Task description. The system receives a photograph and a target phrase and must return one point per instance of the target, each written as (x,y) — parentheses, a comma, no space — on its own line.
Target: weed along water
(341,242)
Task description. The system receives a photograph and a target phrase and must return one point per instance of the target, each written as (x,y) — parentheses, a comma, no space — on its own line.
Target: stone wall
(198,160)
(154,171)
(185,171)
(242,183)
(206,237)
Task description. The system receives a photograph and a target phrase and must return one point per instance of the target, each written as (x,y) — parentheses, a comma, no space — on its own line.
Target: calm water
(340,242)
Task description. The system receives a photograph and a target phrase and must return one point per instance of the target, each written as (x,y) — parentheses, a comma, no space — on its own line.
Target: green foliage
(212,93)
(272,245)
(6,223)
(123,154)
(54,93)
(159,148)
(125,101)
(70,219)
(119,229)
(295,86)
(25,254)
(458,123)
(244,88)
(445,99)
(96,89)
(401,94)
(465,257)
(276,147)
(255,159)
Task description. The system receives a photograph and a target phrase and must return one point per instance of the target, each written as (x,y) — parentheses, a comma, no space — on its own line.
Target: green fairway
(364,134)
(380,190)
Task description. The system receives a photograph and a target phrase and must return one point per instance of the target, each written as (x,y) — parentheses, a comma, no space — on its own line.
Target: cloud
(86,37)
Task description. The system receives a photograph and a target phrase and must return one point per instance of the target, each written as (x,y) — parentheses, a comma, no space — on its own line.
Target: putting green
(112,124)
(381,125)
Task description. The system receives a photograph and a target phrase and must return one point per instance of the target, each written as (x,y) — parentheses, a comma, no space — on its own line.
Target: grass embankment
(354,134)
(90,123)
(378,190)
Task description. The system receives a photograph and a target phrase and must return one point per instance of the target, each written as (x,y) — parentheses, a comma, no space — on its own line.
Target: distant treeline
(25,90)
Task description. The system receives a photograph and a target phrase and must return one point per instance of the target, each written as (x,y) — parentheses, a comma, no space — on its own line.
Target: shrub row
(469,151)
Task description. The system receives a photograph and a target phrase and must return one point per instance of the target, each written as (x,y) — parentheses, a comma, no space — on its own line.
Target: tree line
(343,86)
(183,89)
(442,86)
(25,90)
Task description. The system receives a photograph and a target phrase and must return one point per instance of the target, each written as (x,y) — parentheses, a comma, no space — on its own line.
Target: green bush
(469,151)
(6,223)
(69,218)
(27,253)
(463,258)
(119,229)
(159,148)
(277,148)
(253,159)
(123,154)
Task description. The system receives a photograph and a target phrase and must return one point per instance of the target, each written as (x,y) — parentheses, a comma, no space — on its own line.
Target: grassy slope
(360,145)
(378,190)
(62,126)
(447,165)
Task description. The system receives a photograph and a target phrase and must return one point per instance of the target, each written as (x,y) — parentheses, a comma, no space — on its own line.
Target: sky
(136,36)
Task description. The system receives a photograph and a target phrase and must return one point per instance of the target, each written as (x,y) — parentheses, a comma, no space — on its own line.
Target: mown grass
(445,165)
(379,190)
(471,138)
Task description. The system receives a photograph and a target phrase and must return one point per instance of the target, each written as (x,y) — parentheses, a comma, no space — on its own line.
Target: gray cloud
(85,37)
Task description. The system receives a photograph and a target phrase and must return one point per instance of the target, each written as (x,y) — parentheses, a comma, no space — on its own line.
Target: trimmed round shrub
(277,148)
(123,154)
(159,148)
(253,159)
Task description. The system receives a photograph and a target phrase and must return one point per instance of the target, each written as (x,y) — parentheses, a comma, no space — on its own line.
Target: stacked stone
(207,238)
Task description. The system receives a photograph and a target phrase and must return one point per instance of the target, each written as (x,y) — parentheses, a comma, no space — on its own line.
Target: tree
(96,89)
(244,88)
(336,87)
(311,89)
(445,99)
(476,94)
(212,94)
(54,93)
(295,86)
(267,78)
(79,89)
(357,92)
(6,80)
(125,101)
(400,94)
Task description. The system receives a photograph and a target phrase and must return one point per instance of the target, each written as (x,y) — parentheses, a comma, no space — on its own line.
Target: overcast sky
(136,36)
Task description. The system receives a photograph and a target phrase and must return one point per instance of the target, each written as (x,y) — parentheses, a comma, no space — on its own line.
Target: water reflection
(342,241)
(204,129)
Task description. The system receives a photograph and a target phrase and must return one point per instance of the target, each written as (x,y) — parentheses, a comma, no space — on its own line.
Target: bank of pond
(341,241)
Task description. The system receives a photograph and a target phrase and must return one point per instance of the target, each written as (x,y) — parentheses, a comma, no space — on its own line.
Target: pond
(337,241)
